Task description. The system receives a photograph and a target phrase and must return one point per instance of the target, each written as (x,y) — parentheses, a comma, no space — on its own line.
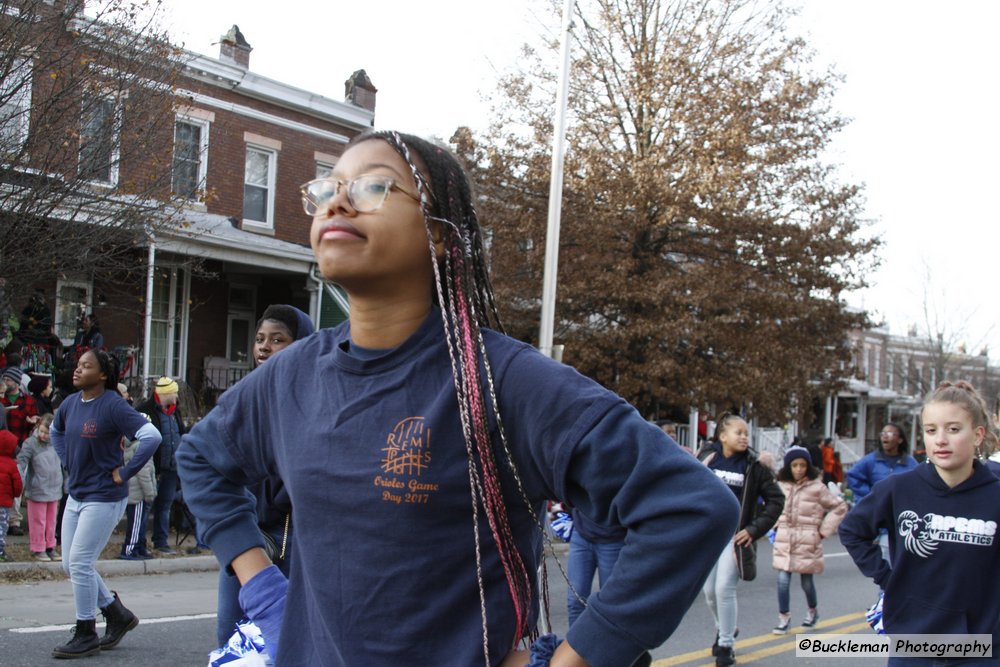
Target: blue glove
(263,600)
(562,525)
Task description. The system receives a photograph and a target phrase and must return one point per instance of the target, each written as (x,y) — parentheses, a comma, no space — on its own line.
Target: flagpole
(555,191)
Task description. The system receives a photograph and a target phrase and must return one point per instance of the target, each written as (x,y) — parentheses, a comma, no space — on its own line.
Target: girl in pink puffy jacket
(812,512)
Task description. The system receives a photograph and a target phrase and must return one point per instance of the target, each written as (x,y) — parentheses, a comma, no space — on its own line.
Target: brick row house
(239,146)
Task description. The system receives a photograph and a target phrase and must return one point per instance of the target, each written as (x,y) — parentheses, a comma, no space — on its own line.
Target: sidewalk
(182,562)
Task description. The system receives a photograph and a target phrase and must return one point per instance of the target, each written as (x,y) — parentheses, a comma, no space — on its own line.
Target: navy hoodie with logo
(944,551)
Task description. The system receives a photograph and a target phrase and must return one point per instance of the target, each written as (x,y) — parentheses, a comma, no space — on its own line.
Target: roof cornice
(230,76)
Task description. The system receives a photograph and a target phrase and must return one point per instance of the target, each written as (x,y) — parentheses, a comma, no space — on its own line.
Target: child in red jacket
(10,484)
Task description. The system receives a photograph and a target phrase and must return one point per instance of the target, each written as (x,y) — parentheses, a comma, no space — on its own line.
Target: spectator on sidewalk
(141,494)
(88,336)
(10,485)
(43,487)
(87,434)
(22,415)
(163,412)
(36,319)
(16,361)
(40,389)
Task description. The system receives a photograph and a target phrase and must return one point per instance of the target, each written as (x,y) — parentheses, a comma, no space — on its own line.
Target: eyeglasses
(365,193)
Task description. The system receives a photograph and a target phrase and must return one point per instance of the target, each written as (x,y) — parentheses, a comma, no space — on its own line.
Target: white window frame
(115,141)
(272,169)
(205,125)
(323,169)
(19,102)
(325,162)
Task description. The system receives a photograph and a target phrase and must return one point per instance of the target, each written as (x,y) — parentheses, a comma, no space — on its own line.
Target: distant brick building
(892,374)
(241,144)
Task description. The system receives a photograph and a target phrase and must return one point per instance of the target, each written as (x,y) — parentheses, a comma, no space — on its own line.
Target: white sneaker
(810,620)
(782,627)
(41,556)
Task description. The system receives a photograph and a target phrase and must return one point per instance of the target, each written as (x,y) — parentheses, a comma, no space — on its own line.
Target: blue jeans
(166,490)
(720,594)
(86,529)
(785,581)
(586,558)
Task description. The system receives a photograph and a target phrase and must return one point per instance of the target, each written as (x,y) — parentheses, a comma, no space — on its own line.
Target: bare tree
(86,131)
(945,346)
(705,244)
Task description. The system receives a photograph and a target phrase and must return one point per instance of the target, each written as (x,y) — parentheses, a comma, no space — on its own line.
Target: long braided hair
(463,291)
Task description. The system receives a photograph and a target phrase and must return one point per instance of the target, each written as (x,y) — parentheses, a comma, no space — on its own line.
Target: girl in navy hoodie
(942,521)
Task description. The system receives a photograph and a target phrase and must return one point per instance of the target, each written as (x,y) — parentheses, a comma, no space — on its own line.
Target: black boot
(84,642)
(119,621)
(726,657)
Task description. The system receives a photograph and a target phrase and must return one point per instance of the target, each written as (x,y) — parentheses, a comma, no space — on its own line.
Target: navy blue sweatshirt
(944,550)
(87,436)
(384,558)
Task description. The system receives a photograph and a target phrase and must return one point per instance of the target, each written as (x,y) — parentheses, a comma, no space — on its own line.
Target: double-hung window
(99,140)
(15,106)
(190,164)
(259,185)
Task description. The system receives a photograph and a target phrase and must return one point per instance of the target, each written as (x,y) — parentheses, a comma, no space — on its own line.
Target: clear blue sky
(920,86)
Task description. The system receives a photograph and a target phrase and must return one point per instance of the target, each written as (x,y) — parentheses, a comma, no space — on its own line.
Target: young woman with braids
(942,523)
(418,445)
(87,435)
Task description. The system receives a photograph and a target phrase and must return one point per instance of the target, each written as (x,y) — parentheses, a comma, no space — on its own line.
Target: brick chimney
(358,90)
(234,48)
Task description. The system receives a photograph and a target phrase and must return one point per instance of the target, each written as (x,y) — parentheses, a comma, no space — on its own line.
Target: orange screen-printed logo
(407,448)
(407,454)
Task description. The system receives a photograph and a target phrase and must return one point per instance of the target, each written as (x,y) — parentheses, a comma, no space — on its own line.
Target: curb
(119,568)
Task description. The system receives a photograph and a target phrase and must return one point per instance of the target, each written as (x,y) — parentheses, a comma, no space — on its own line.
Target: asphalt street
(177,608)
